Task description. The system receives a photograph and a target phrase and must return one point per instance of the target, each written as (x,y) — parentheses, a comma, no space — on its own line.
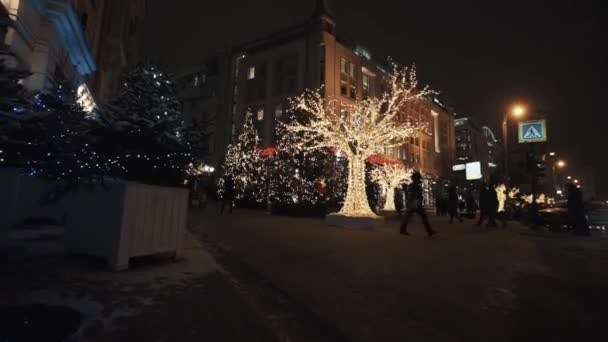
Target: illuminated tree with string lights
(244,164)
(358,130)
(391,176)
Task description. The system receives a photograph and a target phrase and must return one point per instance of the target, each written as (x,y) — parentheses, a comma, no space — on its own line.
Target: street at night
(319,170)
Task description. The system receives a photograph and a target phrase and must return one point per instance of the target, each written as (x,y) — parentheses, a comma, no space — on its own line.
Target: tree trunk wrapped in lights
(358,130)
(391,176)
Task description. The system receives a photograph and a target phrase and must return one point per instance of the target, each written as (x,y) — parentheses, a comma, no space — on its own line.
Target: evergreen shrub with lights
(142,131)
(245,165)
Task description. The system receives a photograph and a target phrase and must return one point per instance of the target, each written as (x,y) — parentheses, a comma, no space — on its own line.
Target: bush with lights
(244,164)
(143,134)
(54,139)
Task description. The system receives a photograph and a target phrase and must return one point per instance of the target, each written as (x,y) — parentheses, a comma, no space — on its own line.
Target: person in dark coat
(229,194)
(398,201)
(488,205)
(471,205)
(576,211)
(414,206)
(453,204)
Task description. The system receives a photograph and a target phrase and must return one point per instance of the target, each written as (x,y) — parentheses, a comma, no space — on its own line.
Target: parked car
(597,215)
(556,217)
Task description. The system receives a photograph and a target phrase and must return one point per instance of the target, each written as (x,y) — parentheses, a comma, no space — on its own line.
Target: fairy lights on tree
(244,163)
(391,176)
(358,130)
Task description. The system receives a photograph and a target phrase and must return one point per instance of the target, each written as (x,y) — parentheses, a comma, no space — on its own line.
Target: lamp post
(556,165)
(517,111)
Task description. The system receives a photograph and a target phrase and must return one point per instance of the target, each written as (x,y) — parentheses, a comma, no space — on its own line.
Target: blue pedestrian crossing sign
(532,131)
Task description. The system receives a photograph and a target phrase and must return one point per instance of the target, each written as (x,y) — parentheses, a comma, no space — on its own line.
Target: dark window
(84,18)
(343,88)
(292,73)
(353,91)
(133,27)
(279,76)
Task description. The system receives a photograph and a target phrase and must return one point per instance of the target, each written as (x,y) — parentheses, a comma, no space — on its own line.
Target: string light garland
(358,130)
(391,176)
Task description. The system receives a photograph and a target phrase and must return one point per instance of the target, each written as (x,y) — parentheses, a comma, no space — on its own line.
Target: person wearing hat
(414,205)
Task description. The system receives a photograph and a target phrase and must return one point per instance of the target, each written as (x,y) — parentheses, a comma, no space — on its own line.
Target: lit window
(278,111)
(196,81)
(260,114)
(251,73)
(344,66)
(365,85)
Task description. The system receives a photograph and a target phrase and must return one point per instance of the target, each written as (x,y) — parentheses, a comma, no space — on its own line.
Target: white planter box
(21,197)
(126,220)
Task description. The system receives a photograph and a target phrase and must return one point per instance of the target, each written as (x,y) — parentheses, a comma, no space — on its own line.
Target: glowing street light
(552,154)
(518,111)
(576,181)
(569,177)
(561,164)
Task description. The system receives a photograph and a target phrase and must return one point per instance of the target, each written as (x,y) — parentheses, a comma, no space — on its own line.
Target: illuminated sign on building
(473,171)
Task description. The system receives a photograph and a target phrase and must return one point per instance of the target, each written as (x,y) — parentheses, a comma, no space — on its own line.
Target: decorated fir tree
(54,140)
(143,131)
(244,164)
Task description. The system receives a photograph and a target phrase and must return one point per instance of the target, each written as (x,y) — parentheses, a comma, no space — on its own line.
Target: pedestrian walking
(414,206)
(398,201)
(229,194)
(576,211)
(453,204)
(471,205)
(488,205)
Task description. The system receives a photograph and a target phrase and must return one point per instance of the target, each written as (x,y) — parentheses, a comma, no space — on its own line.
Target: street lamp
(561,164)
(517,111)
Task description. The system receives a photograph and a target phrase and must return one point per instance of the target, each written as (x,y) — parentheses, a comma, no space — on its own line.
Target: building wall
(261,75)
(119,46)
(86,43)
(471,146)
(48,40)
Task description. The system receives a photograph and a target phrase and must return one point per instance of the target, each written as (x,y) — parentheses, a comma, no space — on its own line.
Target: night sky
(482,56)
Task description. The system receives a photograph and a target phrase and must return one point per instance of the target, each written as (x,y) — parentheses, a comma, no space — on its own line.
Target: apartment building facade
(69,40)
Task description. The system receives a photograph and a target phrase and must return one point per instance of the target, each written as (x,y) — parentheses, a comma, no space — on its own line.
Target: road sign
(532,131)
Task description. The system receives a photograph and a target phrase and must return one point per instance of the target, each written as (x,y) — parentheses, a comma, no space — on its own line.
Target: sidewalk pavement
(466,284)
(156,300)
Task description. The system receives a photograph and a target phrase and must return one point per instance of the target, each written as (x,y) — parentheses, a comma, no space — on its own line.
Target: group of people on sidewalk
(451,205)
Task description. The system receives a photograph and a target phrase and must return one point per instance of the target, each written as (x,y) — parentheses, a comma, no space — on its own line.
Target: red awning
(268,151)
(382,160)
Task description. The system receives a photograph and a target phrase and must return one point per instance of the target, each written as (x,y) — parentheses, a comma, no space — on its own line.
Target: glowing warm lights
(359,130)
(561,164)
(518,111)
(391,176)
